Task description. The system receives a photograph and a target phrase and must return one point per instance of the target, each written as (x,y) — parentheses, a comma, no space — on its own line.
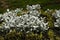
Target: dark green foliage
(47,35)
(12,4)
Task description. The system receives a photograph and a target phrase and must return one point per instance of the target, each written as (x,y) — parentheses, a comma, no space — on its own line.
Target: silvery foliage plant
(56,14)
(31,19)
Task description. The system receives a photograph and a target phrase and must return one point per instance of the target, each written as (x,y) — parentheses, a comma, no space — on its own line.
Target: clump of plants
(33,24)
